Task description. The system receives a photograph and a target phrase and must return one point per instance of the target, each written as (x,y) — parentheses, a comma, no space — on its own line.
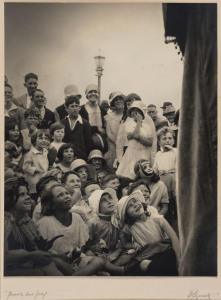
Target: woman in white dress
(141,140)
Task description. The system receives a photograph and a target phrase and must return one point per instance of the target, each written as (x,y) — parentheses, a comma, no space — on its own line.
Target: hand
(167,148)
(139,118)
(41,258)
(32,128)
(96,248)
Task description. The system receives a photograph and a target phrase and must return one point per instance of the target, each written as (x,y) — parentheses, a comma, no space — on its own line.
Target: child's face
(147,167)
(93,96)
(68,155)
(73,110)
(58,135)
(83,173)
(8,94)
(134,114)
(31,85)
(106,204)
(61,199)
(166,139)
(144,190)
(134,208)
(97,163)
(114,184)
(23,203)
(41,142)
(72,182)
(91,188)
(100,176)
(32,121)
(13,134)
(125,191)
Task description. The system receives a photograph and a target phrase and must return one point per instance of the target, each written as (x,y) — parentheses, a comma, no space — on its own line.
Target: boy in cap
(61,111)
(91,111)
(169,112)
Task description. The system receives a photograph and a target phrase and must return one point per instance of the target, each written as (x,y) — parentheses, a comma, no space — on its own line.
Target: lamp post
(99,61)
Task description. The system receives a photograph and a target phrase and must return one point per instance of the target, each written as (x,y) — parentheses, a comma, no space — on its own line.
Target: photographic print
(110,151)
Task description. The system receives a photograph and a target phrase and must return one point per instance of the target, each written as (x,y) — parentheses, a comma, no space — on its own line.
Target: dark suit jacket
(48,119)
(80,137)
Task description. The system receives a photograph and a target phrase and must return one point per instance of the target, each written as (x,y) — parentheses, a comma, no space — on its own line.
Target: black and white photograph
(109,172)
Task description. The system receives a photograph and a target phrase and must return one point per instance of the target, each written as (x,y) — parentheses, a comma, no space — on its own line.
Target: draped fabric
(197,165)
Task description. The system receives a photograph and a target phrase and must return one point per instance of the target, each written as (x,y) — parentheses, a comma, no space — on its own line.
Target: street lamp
(99,61)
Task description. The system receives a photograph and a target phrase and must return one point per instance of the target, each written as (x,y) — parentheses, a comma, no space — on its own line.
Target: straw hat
(77,163)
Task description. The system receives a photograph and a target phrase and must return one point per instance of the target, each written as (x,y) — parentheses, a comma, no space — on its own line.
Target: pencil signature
(197,294)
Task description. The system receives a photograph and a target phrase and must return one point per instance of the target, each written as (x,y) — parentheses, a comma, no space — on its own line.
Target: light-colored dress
(112,124)
(75,235)
(135,150)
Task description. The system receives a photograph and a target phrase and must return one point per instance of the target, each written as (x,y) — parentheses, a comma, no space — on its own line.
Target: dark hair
(8,85)
(152,105)
(11,149)
(129,98)
(107,178)
(10,124)
(47,203)
(86,184)
(30,75)
(163,131)
(39,133)
(177,117)
(136,184)
(32,112)
(71,99)
(61,150)
(66,174)
(129,220)
(12,191)
(42,183)
(56,126)
(154,177)
(37,90)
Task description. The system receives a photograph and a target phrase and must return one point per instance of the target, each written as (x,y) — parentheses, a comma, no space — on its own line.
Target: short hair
(61,150)
(11,149)
(39,133)
(32,112)
(12,191)
(86,184)
(37,90)
(152,105)
(136,184)
(47,203)
(8,85)
(71,99)
(56,126)
(10,124)
(132,97)
(66,174)
(42,183)
(30,75)
(163,131)
(107,178)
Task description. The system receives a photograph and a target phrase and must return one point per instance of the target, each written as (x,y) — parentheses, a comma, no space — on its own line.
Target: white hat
(91,87)
(95,197)
(77,163)
(72,90)
(140,105)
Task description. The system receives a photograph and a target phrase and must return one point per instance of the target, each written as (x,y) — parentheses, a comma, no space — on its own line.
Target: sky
(58,42)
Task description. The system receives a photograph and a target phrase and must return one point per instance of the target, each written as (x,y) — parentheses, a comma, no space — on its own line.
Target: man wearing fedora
(60,112)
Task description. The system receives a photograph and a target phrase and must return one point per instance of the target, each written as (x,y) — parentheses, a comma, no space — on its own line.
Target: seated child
(85,171)
(57,134)
(66,156)
(72,182)
(36,163)
(143,187)
(156,254)
(32,119)
(103,227)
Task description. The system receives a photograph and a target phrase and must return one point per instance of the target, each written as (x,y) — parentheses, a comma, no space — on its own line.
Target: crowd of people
(89,189)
